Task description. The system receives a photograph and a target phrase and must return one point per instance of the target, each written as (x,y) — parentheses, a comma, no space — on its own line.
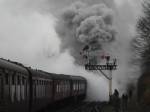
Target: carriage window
(59,87)
(18,80)
(33,82)
(67,85)
(6,79)
(37,82)
(79,85)
(1,72)
(74,86)
(56,88)
(23,80)
(13,79)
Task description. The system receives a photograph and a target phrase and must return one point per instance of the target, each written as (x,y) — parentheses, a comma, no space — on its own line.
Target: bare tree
(141,42)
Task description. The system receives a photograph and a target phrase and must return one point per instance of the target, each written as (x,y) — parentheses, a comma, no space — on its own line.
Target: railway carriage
(62,87)
(23,89)
(14,86)
(41,89)
(78,87)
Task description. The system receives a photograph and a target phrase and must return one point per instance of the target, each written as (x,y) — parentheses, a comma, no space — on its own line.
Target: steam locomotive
(23,89)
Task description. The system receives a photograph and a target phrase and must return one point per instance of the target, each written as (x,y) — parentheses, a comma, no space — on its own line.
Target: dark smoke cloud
(81,25)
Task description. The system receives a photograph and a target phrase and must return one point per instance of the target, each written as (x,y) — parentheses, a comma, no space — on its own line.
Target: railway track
(83,107)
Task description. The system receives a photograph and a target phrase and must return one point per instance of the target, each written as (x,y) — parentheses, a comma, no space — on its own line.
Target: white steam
(127,13)
(26,34)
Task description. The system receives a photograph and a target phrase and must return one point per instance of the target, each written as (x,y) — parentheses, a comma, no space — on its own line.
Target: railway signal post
(109,65)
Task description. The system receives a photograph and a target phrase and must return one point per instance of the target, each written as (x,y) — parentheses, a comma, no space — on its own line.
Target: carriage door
(1,87)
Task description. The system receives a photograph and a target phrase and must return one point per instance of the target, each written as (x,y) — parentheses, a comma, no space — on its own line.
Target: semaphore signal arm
(101,67)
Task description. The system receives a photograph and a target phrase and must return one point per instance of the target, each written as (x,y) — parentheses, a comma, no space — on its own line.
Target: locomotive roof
(12,66)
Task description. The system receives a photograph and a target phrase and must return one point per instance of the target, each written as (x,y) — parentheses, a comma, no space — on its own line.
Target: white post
(110,83)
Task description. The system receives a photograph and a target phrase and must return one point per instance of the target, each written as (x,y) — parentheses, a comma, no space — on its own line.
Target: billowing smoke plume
(81,25)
